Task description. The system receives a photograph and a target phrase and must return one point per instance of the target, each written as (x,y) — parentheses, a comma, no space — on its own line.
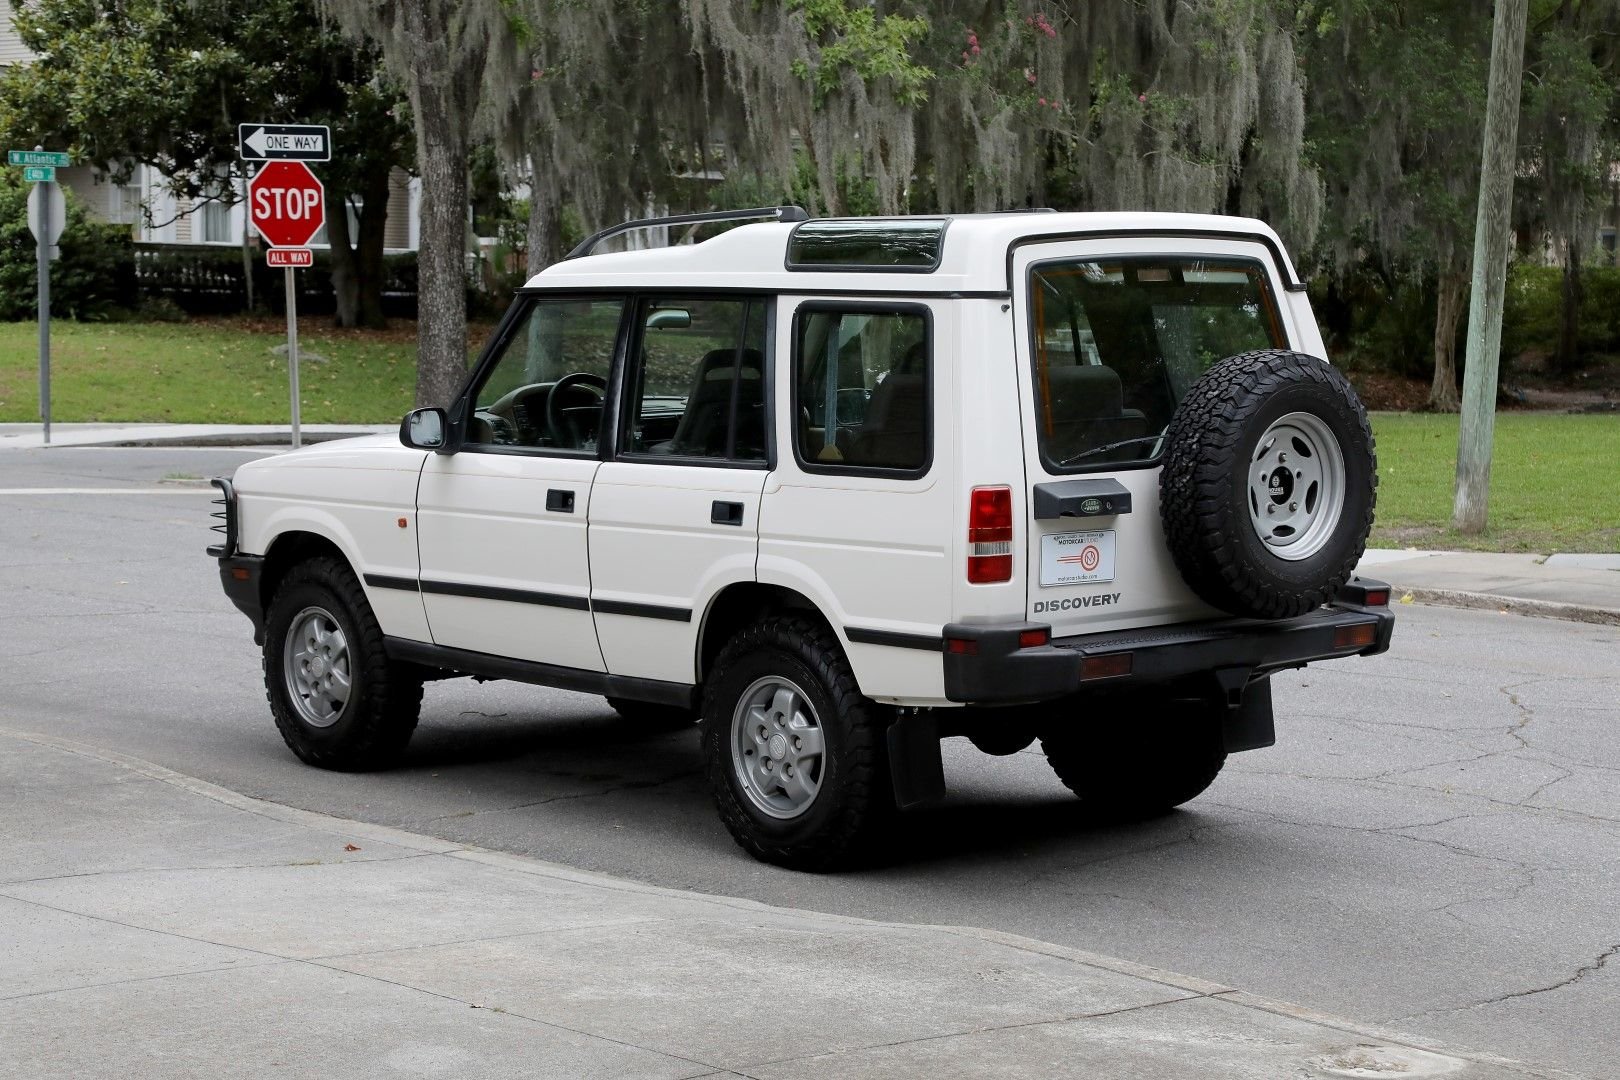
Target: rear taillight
(990,535)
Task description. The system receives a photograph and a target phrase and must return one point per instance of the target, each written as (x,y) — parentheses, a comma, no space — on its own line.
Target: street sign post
(288,207)
(47,217)
(284,142)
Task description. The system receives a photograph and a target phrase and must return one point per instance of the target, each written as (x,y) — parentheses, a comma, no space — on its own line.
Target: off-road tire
(1203,485)
(855,799)
(385,698)
(1164,753)
(650,716)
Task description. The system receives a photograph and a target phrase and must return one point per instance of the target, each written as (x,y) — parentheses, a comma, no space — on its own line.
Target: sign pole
(44,250)
(292,351)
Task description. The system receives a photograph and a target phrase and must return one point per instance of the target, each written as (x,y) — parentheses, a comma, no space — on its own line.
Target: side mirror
(425,429)
(669,319)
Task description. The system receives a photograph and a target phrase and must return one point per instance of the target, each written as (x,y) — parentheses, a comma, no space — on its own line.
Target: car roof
(973,260)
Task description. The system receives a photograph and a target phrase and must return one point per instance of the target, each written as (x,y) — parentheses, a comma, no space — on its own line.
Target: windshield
(1117,342)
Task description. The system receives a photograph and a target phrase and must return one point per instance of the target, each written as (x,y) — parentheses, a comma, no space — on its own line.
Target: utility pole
(1493,241)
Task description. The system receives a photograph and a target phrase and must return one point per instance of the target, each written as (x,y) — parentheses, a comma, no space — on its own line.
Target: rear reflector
(962,646)
(1034,639)
(990,535)
(1377,598)
(1354,637)
(1106,667)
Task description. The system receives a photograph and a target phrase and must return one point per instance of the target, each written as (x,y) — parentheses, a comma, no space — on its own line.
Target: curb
(1191,986)
(1512,605)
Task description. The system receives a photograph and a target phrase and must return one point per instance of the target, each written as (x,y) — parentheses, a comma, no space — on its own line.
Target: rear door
(1109,339)
(674,516)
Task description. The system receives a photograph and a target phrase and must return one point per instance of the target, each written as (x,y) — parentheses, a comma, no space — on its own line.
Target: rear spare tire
(1268,484)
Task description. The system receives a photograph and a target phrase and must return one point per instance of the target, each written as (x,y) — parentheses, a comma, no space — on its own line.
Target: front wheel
(795,756)
(338,700)
(1154,756)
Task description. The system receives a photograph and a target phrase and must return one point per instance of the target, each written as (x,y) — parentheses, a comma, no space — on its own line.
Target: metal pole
(44,248)
(292,351)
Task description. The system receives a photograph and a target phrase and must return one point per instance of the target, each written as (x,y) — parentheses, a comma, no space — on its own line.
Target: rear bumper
(985,666)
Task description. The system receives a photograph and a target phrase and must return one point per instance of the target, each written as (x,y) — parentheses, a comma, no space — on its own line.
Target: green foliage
(1534,302)
(165,84)
(93,277)
(854,37)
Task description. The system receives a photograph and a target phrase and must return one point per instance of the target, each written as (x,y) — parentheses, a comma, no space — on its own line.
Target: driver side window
(547,388)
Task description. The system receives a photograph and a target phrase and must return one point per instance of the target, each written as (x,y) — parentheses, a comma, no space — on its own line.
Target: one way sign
(285,142)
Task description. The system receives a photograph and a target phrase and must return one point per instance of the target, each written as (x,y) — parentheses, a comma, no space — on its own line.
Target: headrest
(1084,390)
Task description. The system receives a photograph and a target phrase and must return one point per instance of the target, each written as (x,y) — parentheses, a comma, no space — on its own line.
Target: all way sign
(284,142)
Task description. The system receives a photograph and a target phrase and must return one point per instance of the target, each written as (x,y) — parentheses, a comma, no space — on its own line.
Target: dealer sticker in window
(1077,558)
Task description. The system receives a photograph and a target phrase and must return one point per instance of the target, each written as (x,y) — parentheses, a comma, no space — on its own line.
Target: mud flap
(915,763)
(1248,723)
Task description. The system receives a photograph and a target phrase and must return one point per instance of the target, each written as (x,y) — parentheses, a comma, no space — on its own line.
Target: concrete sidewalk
(31,437)
(1581,587)
(156,925)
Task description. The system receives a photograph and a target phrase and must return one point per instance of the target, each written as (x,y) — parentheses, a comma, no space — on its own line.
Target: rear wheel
(1160,754)
(338,700)
(795,756)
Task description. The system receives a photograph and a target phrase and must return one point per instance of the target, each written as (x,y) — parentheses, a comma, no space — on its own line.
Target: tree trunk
(1448,309)
(441,300)
(1569,315)
(369,250)
(1493,241)
(543,243)
(247,253)
(345,274)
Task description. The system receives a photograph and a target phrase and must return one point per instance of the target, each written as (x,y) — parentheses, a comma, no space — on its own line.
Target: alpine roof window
(878,244)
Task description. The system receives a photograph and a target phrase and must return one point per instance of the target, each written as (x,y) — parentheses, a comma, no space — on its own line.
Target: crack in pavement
(1596,965)
(629,785)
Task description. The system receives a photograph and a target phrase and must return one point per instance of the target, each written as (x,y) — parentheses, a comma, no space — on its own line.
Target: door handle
(726,513)
(560,501)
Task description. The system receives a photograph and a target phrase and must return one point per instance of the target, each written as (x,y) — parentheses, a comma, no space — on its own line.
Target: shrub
(94,276)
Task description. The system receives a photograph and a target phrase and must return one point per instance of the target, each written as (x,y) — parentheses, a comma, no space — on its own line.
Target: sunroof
(867,244)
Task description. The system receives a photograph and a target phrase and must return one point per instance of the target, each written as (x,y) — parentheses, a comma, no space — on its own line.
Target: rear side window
(862,389)
(1118,342)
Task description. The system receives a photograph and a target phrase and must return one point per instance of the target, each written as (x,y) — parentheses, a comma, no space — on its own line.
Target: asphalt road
(1433,846)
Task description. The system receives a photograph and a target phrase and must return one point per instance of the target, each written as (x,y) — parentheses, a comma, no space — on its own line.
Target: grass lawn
(1555,482)
(215,371)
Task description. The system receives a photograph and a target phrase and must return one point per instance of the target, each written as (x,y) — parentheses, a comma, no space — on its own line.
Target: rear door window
(862,389)
(1119,341)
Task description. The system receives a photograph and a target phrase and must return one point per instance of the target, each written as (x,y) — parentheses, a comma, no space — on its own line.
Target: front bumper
(985,666)
(240,575)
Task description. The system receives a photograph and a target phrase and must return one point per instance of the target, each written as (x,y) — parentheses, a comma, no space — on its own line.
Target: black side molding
(894,638)
(1080,499)
(466,662)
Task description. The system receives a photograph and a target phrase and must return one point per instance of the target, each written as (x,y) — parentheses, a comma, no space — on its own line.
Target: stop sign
(287,203)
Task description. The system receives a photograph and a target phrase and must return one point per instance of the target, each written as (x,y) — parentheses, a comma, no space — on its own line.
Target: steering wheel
(555,413)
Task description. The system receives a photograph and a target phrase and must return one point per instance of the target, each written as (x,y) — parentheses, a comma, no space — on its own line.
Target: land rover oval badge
(1091,506)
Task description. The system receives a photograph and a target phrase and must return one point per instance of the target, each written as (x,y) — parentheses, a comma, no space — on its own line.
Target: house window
(216,223)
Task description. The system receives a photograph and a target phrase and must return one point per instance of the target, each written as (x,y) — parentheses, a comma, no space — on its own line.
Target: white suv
(841,489)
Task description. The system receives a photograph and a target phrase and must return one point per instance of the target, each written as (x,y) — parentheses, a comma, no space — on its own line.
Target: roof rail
(779,213)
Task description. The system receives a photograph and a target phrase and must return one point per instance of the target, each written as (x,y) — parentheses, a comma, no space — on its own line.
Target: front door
(501,523)
(674,517)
